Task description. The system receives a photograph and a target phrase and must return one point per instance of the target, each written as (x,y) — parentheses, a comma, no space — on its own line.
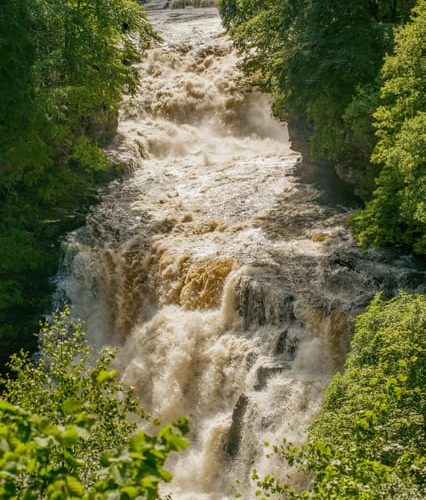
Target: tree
(82,442)
(64,67)
(38,460)
(63,377)
(321,62)
(397,212)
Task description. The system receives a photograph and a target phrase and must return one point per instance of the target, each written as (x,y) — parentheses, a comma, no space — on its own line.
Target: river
(227,280)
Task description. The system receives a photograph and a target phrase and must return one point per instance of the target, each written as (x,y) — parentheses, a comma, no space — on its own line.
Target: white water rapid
(229,285)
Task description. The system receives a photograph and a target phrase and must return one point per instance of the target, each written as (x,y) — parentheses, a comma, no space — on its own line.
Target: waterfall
(229,286)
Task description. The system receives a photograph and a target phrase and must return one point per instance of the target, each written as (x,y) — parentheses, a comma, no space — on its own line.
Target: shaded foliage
(64,66)
(397,212)
(320,60)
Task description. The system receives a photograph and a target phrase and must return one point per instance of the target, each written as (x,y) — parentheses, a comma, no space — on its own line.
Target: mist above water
(229,286)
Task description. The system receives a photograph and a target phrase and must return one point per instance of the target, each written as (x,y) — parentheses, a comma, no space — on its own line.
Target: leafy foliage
(63,381)
(38,459)
(368,441)
(83,443)
(397,212)
(64,66)
(319,59)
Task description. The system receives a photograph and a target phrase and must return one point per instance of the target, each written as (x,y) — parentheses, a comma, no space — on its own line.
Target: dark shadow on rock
(235,431)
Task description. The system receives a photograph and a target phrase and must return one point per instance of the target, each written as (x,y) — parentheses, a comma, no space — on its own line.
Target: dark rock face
(250,299)
(286,345)
(258,304)
(235,431)
(351,179)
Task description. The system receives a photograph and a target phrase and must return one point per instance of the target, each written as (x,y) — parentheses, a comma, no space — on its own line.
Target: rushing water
(229,284)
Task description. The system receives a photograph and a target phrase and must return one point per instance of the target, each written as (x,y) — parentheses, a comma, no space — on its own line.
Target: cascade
(229,285)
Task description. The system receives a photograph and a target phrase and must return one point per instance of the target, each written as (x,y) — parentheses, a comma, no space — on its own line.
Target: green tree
(64,67)
(67,378)
(82,442)
(38,460)
(397,212)
(321,62)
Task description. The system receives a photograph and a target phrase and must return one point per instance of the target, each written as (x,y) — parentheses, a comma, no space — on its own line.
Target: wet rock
(250,301)
(251,359)
(416,280)
(286,309)
(234,435)
(287,345)
(344,261)
(259,304)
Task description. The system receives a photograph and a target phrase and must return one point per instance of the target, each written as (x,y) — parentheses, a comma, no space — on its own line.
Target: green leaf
(106,376)
(70,436)
(130,491)
(74,486)
(71,460)
(71,405)
(6,407)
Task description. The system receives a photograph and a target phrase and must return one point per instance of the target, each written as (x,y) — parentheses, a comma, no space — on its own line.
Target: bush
(38,458)
(368,441)
(78,394)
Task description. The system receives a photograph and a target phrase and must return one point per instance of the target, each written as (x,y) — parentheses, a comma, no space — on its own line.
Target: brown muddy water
(228,283)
